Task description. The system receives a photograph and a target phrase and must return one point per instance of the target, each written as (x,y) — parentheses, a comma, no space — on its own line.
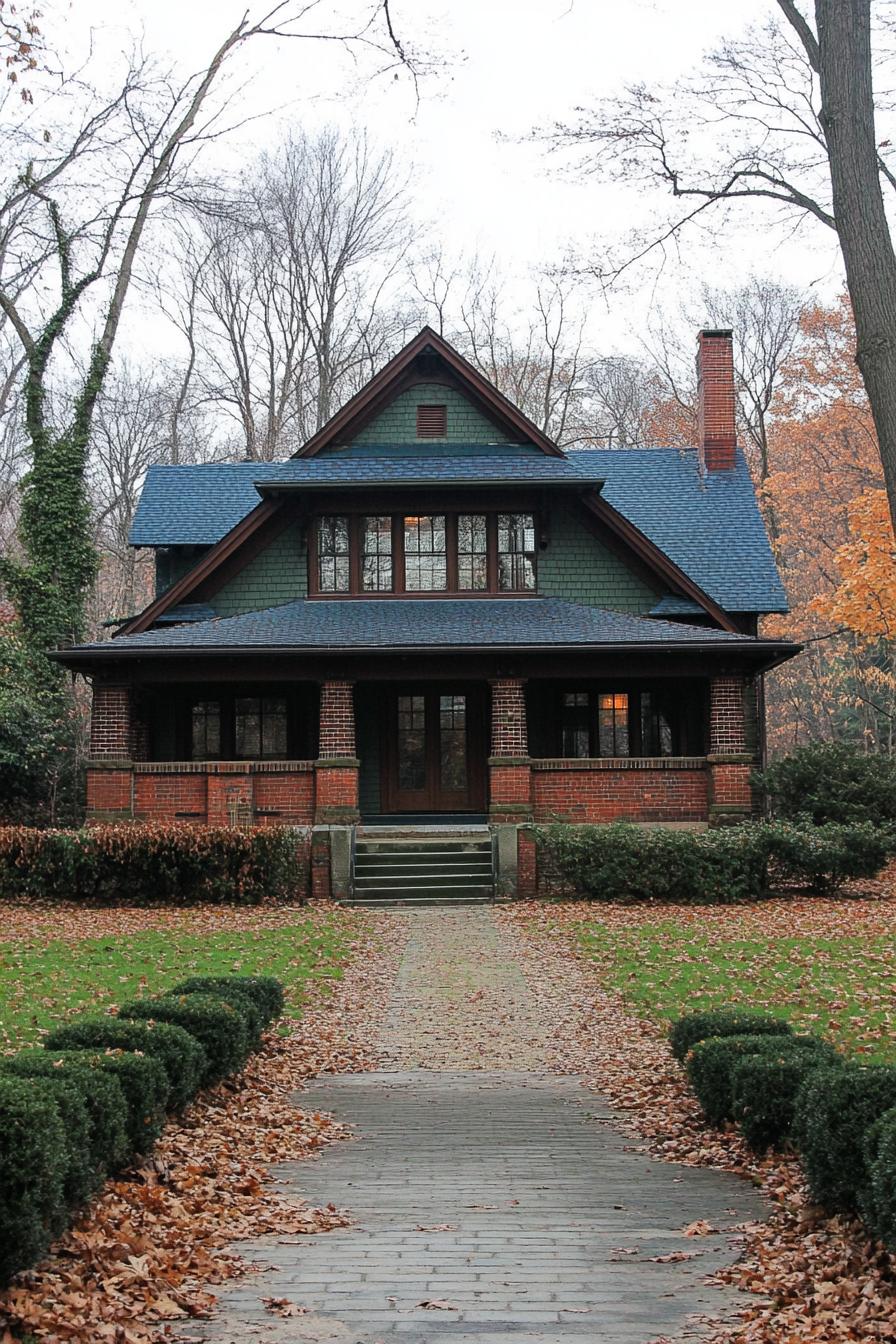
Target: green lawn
(842,987)
(42,982)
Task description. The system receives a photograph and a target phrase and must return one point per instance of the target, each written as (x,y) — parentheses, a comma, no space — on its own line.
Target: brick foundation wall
(336,791)
(108,794)
(214,793)
(633,790)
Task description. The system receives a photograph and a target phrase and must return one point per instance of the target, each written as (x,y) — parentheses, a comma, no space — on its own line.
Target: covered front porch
(423,749)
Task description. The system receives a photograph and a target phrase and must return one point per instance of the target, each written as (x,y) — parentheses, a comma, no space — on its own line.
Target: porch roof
(392,625)
(480,465)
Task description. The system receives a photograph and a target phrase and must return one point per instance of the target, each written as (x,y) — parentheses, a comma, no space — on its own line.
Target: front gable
(396,425)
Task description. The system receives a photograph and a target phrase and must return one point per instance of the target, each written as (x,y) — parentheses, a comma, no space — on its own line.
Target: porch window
(333,555)
(472,552)
(205,730)
(376,554)
(425,554)
(575,724)
(658,725)
(612,724)
(260,728)
(516,552)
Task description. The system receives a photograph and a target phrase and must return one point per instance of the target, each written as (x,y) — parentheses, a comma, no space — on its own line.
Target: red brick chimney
(716,400)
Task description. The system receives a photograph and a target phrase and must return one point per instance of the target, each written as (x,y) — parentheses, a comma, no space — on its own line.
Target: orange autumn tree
(825,469)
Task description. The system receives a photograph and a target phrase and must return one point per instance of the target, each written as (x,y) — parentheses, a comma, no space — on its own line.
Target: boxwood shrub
(624,863)
(33,1166)
(693,1027)
(180,1054)
(143,1082)
(764,1089)
(239,999)
(103,1097)
(711,1065)
(136,864)
(835,1109)
(880,1164)
(265,992)
(220,1028)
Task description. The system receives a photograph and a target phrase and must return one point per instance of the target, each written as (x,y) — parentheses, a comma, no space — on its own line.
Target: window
(432,422)
(472,552)
(248,723)
(516,552)
(425,554)
(657,731)
(376,554)
(205,730)
(612,724)
(575,724)
(333,555)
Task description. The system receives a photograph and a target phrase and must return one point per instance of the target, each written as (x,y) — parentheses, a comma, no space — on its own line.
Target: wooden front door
(435,758)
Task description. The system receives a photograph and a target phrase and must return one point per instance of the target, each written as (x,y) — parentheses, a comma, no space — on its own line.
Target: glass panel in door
(452,744)
(411,743)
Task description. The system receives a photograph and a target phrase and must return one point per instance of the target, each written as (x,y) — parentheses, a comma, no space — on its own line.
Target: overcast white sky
(509,65)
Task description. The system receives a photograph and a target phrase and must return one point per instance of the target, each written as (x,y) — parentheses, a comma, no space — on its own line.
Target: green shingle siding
(398,422)
(279,574)
(578,568)
(173,563)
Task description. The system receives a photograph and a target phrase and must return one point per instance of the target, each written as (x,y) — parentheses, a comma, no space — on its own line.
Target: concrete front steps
(431,865)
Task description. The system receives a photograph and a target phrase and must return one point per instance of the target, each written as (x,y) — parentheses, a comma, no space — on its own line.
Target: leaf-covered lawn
(828,966)
(55,967)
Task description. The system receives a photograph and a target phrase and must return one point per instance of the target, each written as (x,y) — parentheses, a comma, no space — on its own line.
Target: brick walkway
(501,1195)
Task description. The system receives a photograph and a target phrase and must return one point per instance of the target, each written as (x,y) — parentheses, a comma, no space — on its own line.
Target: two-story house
(431,615)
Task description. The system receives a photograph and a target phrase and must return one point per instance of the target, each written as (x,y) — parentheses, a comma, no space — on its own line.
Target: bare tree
(75,210)
(290,278)
(784,116)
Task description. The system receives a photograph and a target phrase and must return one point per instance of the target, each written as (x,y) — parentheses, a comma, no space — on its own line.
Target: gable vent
(432,422)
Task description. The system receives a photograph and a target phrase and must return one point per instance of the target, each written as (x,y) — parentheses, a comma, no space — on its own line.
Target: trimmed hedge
(95,1096)
(143,1082)
(154,865)
(686,1031)
(835,1109)
(265,992)
(33,1166)
(880,1163)
(825,857)
(103,1097)
(624,863)
(180,1054)
(711,1064)
(764,1089)
(219,1026)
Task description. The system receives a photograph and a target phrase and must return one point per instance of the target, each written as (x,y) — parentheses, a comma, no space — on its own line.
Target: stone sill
(219,767)
(620,763)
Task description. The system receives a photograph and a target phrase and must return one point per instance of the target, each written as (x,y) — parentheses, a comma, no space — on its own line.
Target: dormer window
(444,552)
(432,422)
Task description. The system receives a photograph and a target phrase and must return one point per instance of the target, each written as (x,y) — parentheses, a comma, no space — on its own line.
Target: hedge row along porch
(433,614)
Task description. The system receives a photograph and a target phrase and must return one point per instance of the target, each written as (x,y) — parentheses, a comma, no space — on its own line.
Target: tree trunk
(847,114)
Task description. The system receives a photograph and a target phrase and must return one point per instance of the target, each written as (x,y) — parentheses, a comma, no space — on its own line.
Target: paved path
(502,1196)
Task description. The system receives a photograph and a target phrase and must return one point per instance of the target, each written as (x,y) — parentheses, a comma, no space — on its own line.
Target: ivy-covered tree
(73,220)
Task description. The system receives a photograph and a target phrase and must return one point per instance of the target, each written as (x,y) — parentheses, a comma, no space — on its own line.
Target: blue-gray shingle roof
(482,468)
(709,525)
(390,623)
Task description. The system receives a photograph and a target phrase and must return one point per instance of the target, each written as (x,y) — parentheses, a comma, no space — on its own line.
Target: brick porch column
(730,763)
(336,769)
(510,774)
(109,774)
